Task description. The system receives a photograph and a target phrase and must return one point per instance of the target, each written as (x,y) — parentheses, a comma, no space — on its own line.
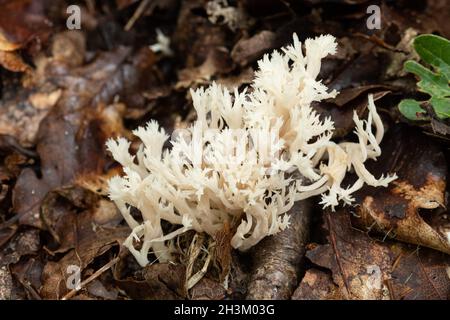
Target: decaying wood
(277,259)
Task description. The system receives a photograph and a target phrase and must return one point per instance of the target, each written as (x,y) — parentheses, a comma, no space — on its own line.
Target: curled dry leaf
(22,113)
(409,208)
(22,24)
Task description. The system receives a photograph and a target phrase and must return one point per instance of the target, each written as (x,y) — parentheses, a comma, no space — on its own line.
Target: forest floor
(63,93)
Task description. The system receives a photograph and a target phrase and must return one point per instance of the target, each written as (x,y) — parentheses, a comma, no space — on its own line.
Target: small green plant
(435,51)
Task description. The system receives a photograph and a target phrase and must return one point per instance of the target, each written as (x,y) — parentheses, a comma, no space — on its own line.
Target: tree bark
(277,259)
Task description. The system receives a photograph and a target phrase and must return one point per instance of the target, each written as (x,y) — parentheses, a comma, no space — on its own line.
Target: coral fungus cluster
(236,162)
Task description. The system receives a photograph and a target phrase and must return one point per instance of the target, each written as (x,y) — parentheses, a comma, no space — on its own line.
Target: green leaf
(434,50)
(441,106)
(431,83)
(411,109)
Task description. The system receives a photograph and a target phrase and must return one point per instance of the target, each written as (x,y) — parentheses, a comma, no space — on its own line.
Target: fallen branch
(277,259)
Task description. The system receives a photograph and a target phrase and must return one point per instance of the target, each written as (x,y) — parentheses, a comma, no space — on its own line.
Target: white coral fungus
(236,163)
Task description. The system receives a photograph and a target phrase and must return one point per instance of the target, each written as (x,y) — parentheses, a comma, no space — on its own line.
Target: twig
(391,290)
(95,275)
(336,253)
(137,14)
(379,42)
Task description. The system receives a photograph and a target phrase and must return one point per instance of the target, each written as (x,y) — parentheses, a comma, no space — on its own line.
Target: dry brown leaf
(352,257)
(159,281)
(56,274)
(6,234)
(81,121)
(23,243)
(28,274)
(249,50)
(22,21)
(215,63)
(404,210)
(365,268)
(317,285)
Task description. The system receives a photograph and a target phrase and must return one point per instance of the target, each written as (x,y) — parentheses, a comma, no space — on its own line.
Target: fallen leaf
(317,285)
(97,289)
(56,274)
(366,268)
(81,121)
(159,281)
(215,63)
(23,243)
(349,255)
(248,50)
(420,274)
(6,234)
(28,273)
(403,209)
(22,21)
